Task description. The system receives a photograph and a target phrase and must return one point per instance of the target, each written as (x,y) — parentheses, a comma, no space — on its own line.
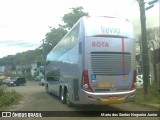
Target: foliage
(153,40)
(10,74)
(22,58)
(51,40)
(28,76)
(56,34)
(154,95)
(72,17)
(7,60)
(153,35)
(8,97)
(2,90)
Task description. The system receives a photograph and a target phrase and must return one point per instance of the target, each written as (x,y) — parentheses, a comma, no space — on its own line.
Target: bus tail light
(134,81)
(86,86)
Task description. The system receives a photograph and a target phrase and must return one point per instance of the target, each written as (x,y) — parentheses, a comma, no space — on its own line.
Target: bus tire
(69,104)
(63,96)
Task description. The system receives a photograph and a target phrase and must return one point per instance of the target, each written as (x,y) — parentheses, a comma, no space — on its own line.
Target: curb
(156,106)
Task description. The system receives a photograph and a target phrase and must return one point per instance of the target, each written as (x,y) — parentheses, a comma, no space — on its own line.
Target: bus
(94,63)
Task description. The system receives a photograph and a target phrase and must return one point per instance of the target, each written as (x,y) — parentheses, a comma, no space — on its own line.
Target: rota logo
(100,44)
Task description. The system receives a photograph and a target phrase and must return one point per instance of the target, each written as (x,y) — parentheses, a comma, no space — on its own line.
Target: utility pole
(145,58)
(44,56)
(43,51)
(145,55)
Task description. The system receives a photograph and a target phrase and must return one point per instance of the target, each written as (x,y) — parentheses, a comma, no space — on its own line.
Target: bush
(155,88)
(2,90)
(153,95)
(10,74)
(28,76)
(8,97)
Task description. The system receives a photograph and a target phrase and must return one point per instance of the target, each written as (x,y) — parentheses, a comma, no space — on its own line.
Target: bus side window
(80,48)
(57,72)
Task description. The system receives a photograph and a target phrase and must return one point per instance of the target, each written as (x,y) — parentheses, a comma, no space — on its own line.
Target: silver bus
(94,63)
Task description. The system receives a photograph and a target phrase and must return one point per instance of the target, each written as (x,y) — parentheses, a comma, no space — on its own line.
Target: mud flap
(75,89)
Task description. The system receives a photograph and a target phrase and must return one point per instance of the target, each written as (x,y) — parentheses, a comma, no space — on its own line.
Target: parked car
(41,82)
(10,82)
(16,82)
(139,81)
(6,80)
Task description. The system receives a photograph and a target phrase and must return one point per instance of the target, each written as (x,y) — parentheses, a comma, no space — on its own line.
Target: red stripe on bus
(123,64)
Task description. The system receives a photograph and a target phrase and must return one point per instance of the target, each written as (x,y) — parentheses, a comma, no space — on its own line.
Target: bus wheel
(67,100)
(63,97)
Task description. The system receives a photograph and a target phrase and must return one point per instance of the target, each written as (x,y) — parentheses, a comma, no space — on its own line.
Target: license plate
(104,85)
(113,97)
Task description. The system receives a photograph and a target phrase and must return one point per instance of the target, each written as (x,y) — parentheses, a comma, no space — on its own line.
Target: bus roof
(93,26)
(107,26)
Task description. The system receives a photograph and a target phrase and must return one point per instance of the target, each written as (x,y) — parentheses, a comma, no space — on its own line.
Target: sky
(24,23)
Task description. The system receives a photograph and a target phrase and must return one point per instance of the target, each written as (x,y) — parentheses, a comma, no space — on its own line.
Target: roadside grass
(8,97)
(153,96)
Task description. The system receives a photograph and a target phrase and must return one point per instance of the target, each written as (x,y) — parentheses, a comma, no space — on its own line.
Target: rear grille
(110,63)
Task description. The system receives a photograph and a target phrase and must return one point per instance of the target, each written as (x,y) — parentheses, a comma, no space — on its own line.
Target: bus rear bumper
(108,98)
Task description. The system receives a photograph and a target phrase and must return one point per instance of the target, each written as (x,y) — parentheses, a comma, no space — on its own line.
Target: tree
(22,58)
(72,17)
(153,37)
(52,38)
(50,41)
(56,34)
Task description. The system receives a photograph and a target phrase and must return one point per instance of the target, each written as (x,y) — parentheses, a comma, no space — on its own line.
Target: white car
(139,81)
(41,82)
(6,80)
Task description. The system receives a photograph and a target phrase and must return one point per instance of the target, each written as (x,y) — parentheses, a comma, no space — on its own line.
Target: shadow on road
(89,107)
(96,108)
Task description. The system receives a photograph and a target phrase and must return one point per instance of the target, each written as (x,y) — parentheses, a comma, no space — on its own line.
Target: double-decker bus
(94,63)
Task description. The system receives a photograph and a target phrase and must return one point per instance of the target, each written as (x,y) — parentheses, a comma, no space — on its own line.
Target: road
(34,98)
